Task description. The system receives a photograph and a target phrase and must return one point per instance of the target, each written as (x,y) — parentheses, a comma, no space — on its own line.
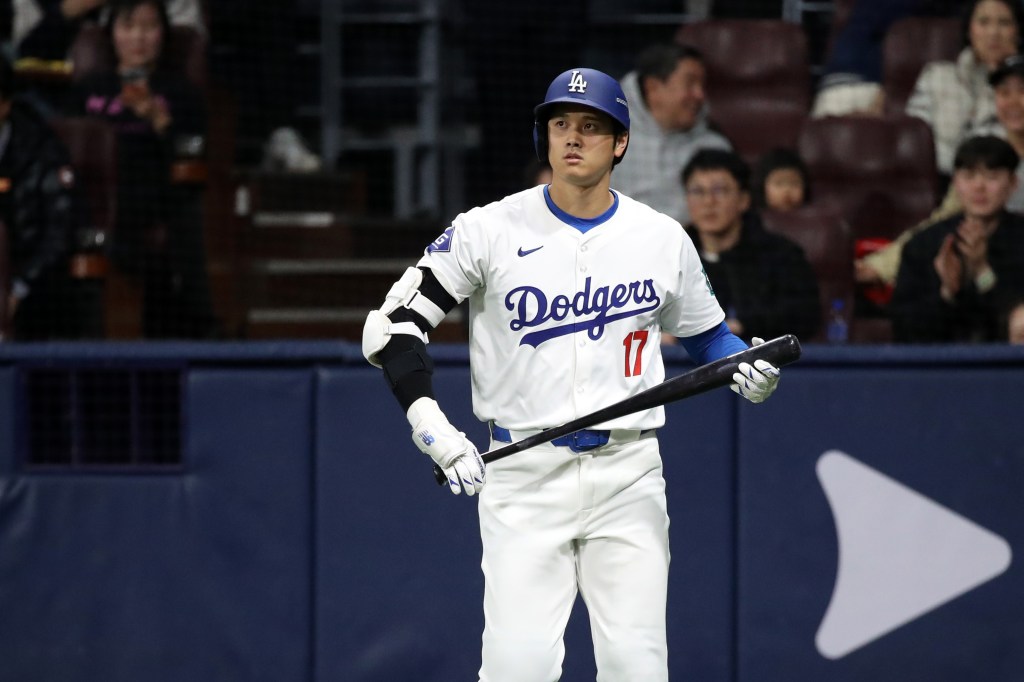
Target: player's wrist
(423,409)
(434,435)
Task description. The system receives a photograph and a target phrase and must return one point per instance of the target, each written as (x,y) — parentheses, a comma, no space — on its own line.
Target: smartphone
(132,76)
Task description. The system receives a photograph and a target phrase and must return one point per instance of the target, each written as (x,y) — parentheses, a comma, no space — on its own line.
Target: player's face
(582,144)
(676,102)
(1010,104)
(993,32)
(138,37)
(716,201)
(983,191)
(784,189)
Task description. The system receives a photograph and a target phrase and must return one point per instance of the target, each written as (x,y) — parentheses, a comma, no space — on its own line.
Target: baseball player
(569,285)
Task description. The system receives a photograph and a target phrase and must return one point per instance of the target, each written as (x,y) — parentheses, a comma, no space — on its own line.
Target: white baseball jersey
(564,322)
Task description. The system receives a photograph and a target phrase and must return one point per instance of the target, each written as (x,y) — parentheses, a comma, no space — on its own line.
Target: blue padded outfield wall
(866,523)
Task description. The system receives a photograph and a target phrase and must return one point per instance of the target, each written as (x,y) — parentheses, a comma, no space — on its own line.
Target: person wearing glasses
(763,280)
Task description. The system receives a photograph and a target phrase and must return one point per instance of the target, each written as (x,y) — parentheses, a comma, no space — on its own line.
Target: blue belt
(581,441)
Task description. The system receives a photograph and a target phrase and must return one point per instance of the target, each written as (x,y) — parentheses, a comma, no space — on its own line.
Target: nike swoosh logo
(528,252)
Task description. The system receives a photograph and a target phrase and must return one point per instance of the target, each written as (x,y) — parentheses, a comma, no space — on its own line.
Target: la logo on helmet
(576,83)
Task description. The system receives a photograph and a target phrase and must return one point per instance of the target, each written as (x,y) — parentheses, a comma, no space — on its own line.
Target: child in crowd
(782,181)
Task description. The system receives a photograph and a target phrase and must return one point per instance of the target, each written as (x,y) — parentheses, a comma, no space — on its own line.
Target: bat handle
(439,476)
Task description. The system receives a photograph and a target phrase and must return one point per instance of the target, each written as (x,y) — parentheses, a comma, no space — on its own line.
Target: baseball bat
(780,351)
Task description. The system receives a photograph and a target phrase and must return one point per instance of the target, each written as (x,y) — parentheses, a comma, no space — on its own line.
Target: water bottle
(838,330)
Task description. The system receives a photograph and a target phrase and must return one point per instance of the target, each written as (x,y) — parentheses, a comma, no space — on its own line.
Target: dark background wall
(303,538)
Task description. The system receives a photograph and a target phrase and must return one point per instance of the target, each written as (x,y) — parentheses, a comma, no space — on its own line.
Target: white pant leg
(529,517)
(623,563)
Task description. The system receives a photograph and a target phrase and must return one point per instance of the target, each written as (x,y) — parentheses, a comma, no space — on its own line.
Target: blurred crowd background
(221,169)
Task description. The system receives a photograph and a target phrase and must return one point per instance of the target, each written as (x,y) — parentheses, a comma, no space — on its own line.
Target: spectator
(1014,324)
(955,98)
(852,78)
(1008,82)
(154,109)
(669,124)
(45,29)
(955,276)
(37,205)
(782,181)
(764,281)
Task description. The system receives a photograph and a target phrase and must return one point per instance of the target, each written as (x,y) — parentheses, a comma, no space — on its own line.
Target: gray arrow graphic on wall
(901,555)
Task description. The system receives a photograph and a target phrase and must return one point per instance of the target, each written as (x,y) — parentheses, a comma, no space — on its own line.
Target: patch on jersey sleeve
(443,243)
(707,280)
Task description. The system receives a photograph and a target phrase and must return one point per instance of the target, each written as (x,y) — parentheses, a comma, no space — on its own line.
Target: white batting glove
(757,382)
(447,446)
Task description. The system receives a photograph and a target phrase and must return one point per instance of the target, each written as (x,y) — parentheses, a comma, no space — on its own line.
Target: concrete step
(333,323)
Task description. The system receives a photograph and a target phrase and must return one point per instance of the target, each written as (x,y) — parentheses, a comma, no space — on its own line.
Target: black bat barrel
(780,351)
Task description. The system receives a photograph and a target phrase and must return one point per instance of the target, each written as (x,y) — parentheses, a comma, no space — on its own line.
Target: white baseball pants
(554,522)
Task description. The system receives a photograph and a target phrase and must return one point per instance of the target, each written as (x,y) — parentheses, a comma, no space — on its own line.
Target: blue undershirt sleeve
(713,344)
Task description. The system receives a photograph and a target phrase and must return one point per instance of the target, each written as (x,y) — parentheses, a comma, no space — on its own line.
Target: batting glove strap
(434,435)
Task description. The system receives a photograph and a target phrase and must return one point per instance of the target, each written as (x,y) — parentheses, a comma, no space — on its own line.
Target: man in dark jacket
(763,281)
(955,276)
(37,206)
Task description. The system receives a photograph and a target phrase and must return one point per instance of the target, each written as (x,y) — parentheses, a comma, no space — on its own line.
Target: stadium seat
(758,79)
(878,172)
(92,145)
(910,44)
(823,234)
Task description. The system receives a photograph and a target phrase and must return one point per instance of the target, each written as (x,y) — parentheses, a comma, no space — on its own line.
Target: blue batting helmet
(589,87)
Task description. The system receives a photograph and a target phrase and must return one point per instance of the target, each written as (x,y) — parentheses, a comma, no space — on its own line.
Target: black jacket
(918,312)
(37,198)
(52,37)
(145,196)
(765,282)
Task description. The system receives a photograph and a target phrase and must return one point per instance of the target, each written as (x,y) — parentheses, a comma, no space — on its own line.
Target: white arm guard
(404,293)
(377,331)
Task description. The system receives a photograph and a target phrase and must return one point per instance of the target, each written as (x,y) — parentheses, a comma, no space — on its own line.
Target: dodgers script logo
(576,83)
(532,309)
(442,243)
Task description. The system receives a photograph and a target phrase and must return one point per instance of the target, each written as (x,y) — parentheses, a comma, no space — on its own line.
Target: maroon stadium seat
(759,80)
(910,44)
(92,145)
(823,234)
(878,172)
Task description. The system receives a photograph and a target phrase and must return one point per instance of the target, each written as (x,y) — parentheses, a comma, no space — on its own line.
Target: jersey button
(579,389)
(583,248)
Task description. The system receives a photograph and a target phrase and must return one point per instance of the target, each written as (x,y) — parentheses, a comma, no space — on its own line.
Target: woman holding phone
(153,109)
